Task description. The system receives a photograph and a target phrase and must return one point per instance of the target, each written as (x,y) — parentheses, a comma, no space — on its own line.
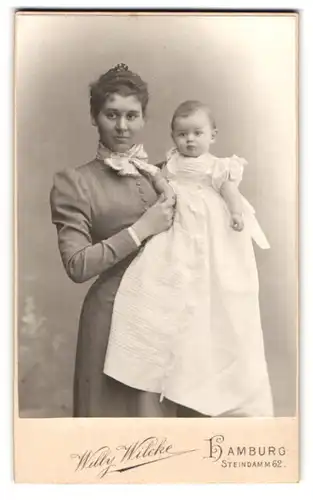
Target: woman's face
(119,121)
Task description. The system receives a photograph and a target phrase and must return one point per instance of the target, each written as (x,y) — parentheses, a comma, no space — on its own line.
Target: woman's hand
(168,194)
(164,189)
(158,218)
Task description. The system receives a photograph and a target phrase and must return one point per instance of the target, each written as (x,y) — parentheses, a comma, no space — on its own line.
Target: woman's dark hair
(118,80)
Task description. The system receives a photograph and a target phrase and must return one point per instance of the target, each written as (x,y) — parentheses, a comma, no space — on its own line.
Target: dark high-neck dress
(92,206)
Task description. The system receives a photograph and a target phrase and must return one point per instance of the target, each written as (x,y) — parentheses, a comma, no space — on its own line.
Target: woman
(103,211)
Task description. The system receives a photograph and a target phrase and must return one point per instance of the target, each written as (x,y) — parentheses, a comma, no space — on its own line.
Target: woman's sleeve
(228,169)
(71,213)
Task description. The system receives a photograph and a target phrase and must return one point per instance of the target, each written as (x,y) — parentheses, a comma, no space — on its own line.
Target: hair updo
(118,80)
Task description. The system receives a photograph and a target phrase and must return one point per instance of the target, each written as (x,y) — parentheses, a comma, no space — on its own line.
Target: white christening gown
(186,320)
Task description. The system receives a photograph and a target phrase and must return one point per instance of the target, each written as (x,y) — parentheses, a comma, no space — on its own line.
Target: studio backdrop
(245,68)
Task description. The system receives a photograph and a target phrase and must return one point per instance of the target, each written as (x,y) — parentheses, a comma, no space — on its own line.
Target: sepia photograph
(156,176)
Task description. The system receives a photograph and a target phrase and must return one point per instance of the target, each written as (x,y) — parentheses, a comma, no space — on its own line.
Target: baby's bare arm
(232,196)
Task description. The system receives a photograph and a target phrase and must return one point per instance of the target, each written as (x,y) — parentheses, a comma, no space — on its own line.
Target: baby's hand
(237,222)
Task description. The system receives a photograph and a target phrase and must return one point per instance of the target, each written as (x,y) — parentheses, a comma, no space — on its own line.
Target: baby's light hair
(187,108)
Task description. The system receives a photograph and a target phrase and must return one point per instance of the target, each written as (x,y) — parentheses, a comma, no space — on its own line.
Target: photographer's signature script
(125,457)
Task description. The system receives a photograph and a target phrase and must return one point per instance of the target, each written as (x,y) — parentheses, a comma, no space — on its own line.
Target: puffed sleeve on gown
(228,169)
(71,213)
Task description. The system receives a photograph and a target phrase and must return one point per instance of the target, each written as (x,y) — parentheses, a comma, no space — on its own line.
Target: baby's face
(193,134)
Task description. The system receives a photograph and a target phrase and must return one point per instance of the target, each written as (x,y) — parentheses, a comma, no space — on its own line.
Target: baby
(186,322)
(193,132)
